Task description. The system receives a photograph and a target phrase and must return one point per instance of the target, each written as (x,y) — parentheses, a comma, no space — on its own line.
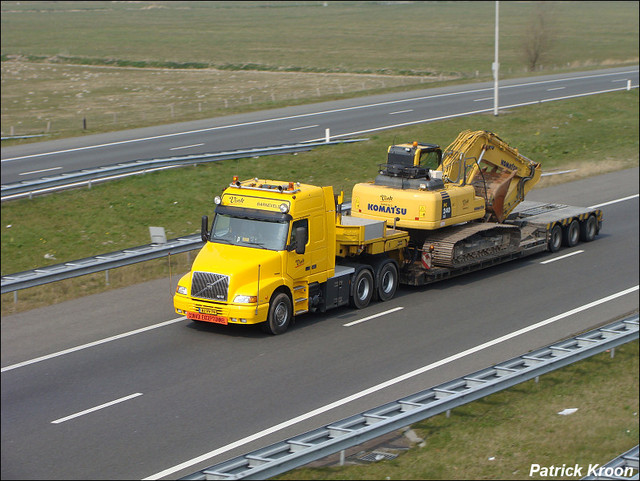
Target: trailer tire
(555,238)
(280,315)
(362,289)
(387,282)
(572,233)
(588,229)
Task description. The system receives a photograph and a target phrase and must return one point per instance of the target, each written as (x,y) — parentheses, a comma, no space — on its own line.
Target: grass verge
(502,435)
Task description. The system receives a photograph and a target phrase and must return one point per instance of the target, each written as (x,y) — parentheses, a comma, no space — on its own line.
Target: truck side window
(299,223)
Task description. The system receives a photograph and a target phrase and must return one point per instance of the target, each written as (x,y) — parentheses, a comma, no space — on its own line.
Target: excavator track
(458,246)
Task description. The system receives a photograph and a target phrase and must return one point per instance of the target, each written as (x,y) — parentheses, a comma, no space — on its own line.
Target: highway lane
(346,118)
(149,403)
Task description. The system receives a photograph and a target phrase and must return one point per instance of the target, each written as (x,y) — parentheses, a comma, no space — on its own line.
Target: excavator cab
(410,166)
(412,160)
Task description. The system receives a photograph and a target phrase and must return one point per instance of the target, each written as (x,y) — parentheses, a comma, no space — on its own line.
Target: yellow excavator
(453,203)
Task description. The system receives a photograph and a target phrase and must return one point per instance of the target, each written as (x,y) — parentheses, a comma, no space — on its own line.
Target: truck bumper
(218,312)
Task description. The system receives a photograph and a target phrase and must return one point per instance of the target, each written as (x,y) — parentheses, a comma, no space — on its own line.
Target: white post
(496,66)
(327,136)
(628,85)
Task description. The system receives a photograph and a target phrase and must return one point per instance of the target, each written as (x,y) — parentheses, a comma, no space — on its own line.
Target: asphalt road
(134,398)
(344,119)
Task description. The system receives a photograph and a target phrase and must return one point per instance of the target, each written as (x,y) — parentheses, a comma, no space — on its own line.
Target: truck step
(302,311)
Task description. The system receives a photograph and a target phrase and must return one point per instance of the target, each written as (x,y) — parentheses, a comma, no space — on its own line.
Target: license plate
(207,310)
(198,316)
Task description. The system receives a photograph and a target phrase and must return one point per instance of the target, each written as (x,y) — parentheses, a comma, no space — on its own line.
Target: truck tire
(555,238)
(387,281)
(588,229)
(280,315)
(572,233)
(362,289)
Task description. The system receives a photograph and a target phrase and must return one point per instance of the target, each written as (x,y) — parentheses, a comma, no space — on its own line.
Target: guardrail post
(106,275)
(342,458)
(327,135)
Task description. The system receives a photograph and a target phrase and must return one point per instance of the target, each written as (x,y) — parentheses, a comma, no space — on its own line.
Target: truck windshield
(262,234)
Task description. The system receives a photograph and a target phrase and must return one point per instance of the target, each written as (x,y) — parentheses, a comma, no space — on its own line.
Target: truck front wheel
(362,289)
(280,315)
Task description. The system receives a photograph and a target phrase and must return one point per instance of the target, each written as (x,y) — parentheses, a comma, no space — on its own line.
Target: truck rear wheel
(572,233)
(387,281)
(280,315)
(588,229)
(362,289)
(555,239)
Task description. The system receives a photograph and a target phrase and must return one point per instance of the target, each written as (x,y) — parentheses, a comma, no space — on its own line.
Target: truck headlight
(181,290)
(245,299)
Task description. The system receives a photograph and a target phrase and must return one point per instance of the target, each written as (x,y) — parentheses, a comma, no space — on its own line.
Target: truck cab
(267,243)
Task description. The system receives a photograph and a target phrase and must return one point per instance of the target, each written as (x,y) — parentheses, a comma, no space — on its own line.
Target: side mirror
(301,239)
(204,230)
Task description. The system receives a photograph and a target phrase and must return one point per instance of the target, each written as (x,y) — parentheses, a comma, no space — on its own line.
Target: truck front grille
(207,285)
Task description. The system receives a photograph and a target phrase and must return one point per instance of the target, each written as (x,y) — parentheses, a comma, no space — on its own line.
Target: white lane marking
(562,257)
(401,112)
(242,124)
(186,146)
(102,406)
(92,344)
(556,88)
(483,99)
(390,382)
(614,201)
(373,316)
(305,127)
(40,171)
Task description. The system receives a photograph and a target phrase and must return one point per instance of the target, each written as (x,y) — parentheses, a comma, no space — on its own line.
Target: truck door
(299,265)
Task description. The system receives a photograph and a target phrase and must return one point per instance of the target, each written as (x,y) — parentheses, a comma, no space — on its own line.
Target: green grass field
(127,64)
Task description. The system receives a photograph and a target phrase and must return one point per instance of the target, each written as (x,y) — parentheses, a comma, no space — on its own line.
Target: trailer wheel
(387,281)
(280,315)
(588,229)
(572,233)
(362,289)
(555,239)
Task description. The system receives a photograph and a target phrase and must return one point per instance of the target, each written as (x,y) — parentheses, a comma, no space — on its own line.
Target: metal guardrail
(620,468)
(319,443)
(87,176)
(103,262)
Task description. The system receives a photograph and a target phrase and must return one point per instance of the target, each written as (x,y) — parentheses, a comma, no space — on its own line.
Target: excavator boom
(498,172)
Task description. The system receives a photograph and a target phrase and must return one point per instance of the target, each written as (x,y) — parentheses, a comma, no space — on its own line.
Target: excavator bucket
(494,188)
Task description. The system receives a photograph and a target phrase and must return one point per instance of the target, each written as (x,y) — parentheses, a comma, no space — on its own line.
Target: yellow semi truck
(276,250)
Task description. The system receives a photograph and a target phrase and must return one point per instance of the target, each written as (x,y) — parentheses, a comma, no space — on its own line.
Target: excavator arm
(498,172)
